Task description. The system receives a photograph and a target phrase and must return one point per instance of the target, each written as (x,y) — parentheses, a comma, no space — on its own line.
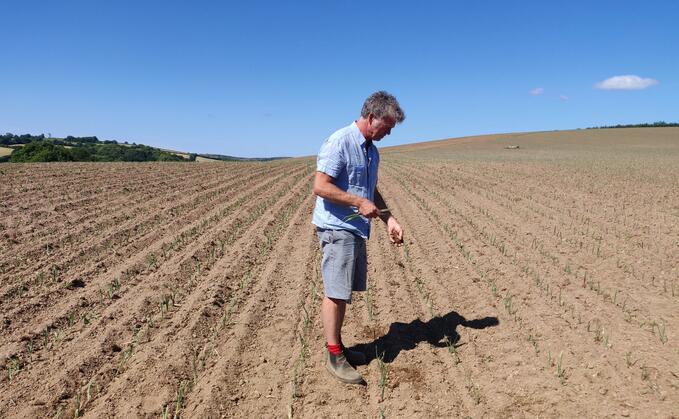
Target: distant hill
(29,148)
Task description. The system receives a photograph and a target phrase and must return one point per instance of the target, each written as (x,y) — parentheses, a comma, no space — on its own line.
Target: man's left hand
(395,231)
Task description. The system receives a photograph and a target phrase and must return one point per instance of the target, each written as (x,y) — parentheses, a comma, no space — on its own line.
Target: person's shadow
(439,332)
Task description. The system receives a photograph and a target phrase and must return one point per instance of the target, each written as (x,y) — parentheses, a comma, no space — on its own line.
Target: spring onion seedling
(357,214)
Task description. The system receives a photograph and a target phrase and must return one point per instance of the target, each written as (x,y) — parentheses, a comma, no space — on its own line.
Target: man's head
(380,113)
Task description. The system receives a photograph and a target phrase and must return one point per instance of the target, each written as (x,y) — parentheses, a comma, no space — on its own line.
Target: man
(347,199)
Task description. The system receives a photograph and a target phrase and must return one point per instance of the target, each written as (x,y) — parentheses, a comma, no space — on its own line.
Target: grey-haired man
(347,199)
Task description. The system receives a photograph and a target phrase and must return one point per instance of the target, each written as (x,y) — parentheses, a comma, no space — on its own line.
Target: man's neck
(362,124)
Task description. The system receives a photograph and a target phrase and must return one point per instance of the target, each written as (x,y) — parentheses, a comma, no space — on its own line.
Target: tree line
(36,148)
(645,125)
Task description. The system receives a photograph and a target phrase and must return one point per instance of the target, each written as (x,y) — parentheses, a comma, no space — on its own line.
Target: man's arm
(379,201)
(394,228)
(324,186)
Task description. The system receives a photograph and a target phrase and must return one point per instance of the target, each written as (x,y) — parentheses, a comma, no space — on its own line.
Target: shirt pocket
(358,175)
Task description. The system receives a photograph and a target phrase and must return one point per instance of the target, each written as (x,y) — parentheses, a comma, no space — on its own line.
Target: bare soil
(534,282)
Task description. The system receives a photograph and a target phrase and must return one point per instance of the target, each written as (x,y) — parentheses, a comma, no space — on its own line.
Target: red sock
(334,349)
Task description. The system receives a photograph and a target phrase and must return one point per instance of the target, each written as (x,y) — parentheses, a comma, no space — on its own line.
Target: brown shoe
(338,366)
(354,357)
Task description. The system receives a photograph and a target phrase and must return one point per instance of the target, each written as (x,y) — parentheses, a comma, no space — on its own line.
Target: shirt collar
(359,136)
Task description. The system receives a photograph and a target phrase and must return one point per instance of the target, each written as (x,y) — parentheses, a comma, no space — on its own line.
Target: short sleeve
(330,159)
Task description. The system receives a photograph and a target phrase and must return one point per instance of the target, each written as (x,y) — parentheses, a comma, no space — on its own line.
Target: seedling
(198,362)
(533,342)
(14,365)
(197,268)
(166,302)
(383,373)
(181,394)
(78,411)
(560,371)
(661,330)
(508,305)
(369,303)
(474,391)
(357,214)
(502,248)
(452,349)
(151,261)
(113,286)
(493,288)
(88,317)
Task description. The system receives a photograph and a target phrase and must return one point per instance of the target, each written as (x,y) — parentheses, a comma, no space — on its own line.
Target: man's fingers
(396,235)
(368,209)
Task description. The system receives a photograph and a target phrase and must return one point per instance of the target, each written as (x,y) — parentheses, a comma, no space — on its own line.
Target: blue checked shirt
(344,157)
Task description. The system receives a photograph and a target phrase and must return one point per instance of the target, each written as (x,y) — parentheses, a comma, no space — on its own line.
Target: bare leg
(332,316)
(342,310)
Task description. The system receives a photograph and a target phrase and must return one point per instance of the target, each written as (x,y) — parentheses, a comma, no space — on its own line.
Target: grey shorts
(344,265)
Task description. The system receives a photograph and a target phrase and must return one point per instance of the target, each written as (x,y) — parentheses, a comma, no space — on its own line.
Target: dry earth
(535,282)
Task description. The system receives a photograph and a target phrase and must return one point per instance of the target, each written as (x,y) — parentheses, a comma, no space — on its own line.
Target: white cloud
(563,97)
(628,82)
(537,91)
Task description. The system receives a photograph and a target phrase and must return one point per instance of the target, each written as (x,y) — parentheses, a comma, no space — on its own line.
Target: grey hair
(382,104)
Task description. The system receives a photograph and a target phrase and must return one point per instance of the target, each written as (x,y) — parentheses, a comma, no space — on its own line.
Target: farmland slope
(534,281)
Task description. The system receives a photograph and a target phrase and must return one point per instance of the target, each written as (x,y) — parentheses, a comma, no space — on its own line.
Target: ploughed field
(538,281)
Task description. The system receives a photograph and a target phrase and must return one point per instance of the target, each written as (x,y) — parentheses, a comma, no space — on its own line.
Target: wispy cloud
(628,82)
(563,97)
(537,91)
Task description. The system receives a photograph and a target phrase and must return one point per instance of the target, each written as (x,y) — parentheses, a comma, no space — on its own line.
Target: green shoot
(383,374)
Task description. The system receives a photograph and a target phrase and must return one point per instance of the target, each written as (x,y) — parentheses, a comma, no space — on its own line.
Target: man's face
(379,128)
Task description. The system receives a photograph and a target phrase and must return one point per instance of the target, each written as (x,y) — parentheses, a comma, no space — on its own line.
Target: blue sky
(276,78)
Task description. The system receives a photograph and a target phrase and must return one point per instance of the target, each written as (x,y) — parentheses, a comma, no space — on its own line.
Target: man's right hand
(368,209)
